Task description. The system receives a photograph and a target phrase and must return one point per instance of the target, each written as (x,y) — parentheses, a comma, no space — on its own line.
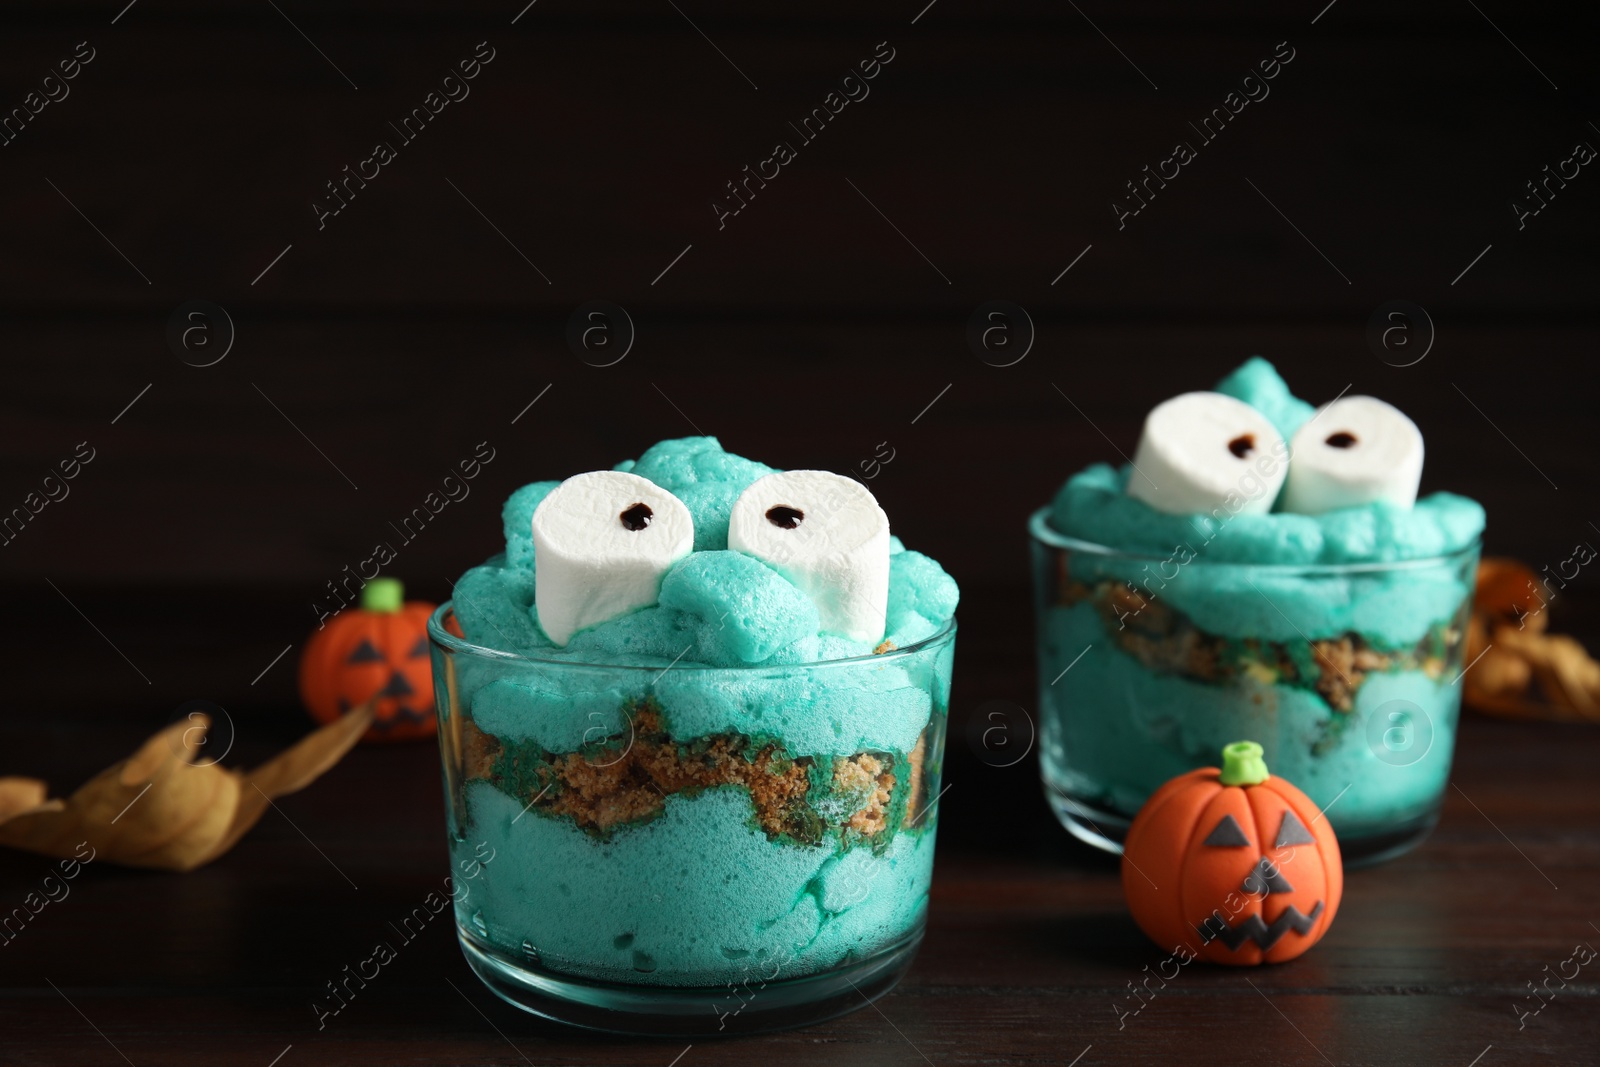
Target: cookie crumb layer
(625,780)
(865,776)
(1166,641)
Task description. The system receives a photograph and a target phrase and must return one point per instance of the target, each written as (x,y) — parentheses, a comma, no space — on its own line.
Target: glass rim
(438,635)
(1040,529)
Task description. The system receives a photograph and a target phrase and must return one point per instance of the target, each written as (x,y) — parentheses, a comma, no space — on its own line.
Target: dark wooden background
(379,351)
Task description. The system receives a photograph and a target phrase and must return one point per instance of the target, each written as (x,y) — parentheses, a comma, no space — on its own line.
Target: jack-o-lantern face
(1239,868)
(368,663)
(376,652)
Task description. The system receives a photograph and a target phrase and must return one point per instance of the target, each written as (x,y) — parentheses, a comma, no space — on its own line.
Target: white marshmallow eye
(1204,452)
(1354,451)
(602,543)
(828,536)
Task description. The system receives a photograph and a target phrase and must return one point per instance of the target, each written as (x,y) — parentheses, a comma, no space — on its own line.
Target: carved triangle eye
(1227,834)
(365,652)
(1292,831)
(419,649)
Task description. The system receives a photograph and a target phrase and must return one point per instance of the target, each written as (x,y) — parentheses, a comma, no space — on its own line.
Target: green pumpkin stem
(1242,764)
(383,595)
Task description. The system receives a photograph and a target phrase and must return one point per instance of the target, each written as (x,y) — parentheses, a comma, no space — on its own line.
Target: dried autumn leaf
(1567,676)
(1499,672)
(158,808)
(1516,668)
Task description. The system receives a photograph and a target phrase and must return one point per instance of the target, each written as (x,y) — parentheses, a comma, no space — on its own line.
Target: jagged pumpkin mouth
(1255,928)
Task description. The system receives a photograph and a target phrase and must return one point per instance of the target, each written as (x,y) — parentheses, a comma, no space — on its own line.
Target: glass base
(1106,830)
(686,1011)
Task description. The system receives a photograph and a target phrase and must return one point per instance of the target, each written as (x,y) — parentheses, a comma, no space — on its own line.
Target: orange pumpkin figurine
(379,649)
(1234,865)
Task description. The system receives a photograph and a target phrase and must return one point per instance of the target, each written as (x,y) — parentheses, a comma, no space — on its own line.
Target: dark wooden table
(1029,958)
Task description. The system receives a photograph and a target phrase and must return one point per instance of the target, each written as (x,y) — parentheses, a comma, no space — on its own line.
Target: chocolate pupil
(637,517)
(1341,439)
(785,517)
(1242,445)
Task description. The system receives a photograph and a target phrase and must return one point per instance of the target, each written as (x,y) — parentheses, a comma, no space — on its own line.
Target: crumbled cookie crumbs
(628,779)
(479,750)
(864,776)
(914,786)
(1370,660)
(1130,609)
(1260,672)
(1201,658)
(1164,640)
(602,789)
(885,645)
(1339,678)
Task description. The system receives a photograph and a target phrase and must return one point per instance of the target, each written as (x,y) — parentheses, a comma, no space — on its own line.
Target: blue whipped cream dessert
(697,711)
(1261,568)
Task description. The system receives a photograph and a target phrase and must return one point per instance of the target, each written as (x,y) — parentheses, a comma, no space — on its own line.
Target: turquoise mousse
(700,790)
(1334,640)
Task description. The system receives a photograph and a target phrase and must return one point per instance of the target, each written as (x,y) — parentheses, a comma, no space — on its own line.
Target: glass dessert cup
(1349,675)
(690,850)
